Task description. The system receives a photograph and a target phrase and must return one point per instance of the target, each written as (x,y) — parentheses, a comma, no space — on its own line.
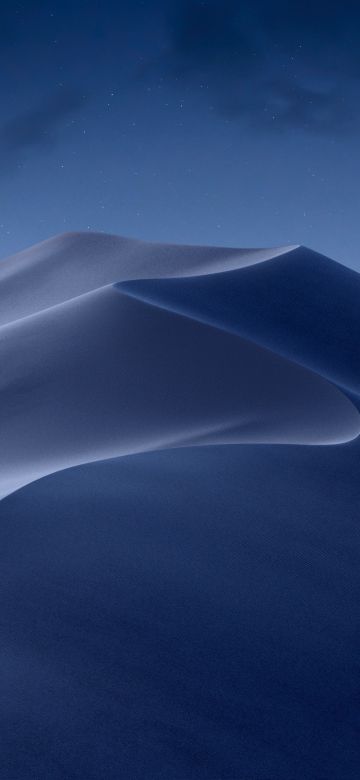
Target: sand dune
(149,364)
(105,375)
(174,610)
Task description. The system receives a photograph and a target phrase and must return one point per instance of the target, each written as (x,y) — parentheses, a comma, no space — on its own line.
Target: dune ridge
(69,265)
(302,306)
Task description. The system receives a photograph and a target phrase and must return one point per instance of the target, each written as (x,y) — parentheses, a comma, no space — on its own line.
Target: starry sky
(216,122)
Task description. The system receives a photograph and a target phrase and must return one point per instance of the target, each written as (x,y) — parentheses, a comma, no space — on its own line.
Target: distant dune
(173,608)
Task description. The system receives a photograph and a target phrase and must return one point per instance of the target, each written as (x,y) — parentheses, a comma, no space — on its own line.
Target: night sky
(230,123)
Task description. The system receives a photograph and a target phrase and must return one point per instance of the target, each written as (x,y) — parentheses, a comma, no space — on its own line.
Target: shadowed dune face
(301,305)
(131,367)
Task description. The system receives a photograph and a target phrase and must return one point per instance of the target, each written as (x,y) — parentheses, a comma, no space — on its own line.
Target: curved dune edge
(70,265)
(304,307)
(184,443)
(66,363)
(40,253)
(129,289)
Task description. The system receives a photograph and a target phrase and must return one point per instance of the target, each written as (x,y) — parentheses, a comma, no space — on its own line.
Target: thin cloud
(38,127)
(284,66)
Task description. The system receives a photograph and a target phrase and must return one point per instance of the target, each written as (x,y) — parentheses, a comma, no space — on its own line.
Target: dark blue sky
(194,122)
